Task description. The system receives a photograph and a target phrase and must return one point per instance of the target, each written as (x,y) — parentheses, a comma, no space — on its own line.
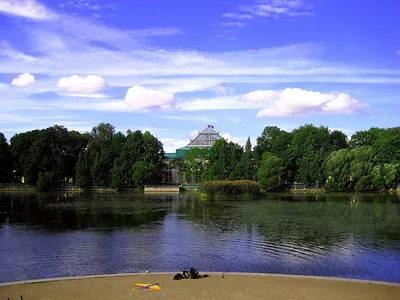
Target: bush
(45,182)
(230,188)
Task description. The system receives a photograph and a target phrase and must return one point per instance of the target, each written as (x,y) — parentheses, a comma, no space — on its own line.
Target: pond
(53,235)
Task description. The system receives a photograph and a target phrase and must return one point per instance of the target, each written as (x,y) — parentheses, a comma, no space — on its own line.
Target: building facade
(205,139)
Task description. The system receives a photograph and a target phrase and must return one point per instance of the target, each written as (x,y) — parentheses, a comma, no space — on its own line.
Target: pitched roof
(206,138)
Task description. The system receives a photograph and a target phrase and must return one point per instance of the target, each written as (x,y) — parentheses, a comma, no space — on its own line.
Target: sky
(175,66)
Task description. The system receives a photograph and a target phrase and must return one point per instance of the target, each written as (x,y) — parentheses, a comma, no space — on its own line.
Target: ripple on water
(166,235)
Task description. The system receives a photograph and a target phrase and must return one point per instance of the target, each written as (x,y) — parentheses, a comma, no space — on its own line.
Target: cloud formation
(56,48)
(237,16)
(23,79)
(89,84)
(222,90)
(239,140)
(297,102)
(276,8)
(29,9)
(141,98)
(232,24)
(86,8)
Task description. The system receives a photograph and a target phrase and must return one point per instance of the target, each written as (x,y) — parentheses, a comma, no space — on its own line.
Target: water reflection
(356,236)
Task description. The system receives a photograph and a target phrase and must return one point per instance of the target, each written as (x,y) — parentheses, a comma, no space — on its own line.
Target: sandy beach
(231,286)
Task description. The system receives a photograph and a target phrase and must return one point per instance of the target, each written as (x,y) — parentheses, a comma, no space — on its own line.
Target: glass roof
(206,138)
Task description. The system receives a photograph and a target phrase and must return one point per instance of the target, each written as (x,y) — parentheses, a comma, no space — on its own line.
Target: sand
(232,286)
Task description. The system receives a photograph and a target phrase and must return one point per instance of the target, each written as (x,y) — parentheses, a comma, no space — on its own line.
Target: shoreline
(224,286)
(247,274)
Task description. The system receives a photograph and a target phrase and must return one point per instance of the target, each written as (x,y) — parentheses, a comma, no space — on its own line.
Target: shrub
(45,182)
(230,188)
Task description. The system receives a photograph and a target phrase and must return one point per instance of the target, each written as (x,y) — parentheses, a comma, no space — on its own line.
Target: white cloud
(23,79)
(94,96)
(30,9)
(226,102)
(289,102)
(237,16)
(234,119)
(86,6)
(193,134)
(239,140)
(57,47)
(295,102)
(80,4)
(192,118)
(141,98)
(88,84)
(222,90)
(8,52)
(170,144)
(175,85)
(259,96)
(276,8)
(232,24)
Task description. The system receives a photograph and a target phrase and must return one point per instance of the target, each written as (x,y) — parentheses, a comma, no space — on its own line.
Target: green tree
(223,160)
(364,138)
(277,141)
(77,143)
(309,148)
(131,152)
(101,154)
(196,163)
(246,168)
(83,173)
(271,172)
(337,171)
(6,160)
(45,181)
(101,166)
(386,176)
(387,146)
(361,167)
(140,173)
(118,180)
(274,140)
(153,158)
(338,140)
(28,150)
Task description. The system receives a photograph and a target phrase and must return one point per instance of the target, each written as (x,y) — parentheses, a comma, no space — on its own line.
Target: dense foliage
(312,155)
(53,156)
(230,188)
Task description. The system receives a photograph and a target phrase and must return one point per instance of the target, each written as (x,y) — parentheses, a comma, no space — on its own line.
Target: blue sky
(172,67)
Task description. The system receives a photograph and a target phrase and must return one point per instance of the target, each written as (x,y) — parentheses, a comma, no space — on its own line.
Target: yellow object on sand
(147,286)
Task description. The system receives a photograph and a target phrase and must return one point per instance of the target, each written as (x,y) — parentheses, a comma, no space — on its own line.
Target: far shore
(110,190)
(218,286)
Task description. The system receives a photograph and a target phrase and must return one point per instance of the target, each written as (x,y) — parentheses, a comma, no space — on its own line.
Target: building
(204,139)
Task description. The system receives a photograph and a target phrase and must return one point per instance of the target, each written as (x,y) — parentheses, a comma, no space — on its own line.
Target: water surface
(351,236)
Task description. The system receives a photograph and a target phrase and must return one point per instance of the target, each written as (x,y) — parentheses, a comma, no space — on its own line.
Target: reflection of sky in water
(180,232)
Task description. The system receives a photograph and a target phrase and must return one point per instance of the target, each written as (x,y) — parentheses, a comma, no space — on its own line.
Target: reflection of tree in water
(327,219)
(306,220)
(76,211)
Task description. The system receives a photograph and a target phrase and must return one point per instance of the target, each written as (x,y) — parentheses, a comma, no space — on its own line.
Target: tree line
(49,157)
(312,155)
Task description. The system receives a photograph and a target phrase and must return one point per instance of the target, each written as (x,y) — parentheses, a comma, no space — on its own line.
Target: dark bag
(178,276)
(193,273)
